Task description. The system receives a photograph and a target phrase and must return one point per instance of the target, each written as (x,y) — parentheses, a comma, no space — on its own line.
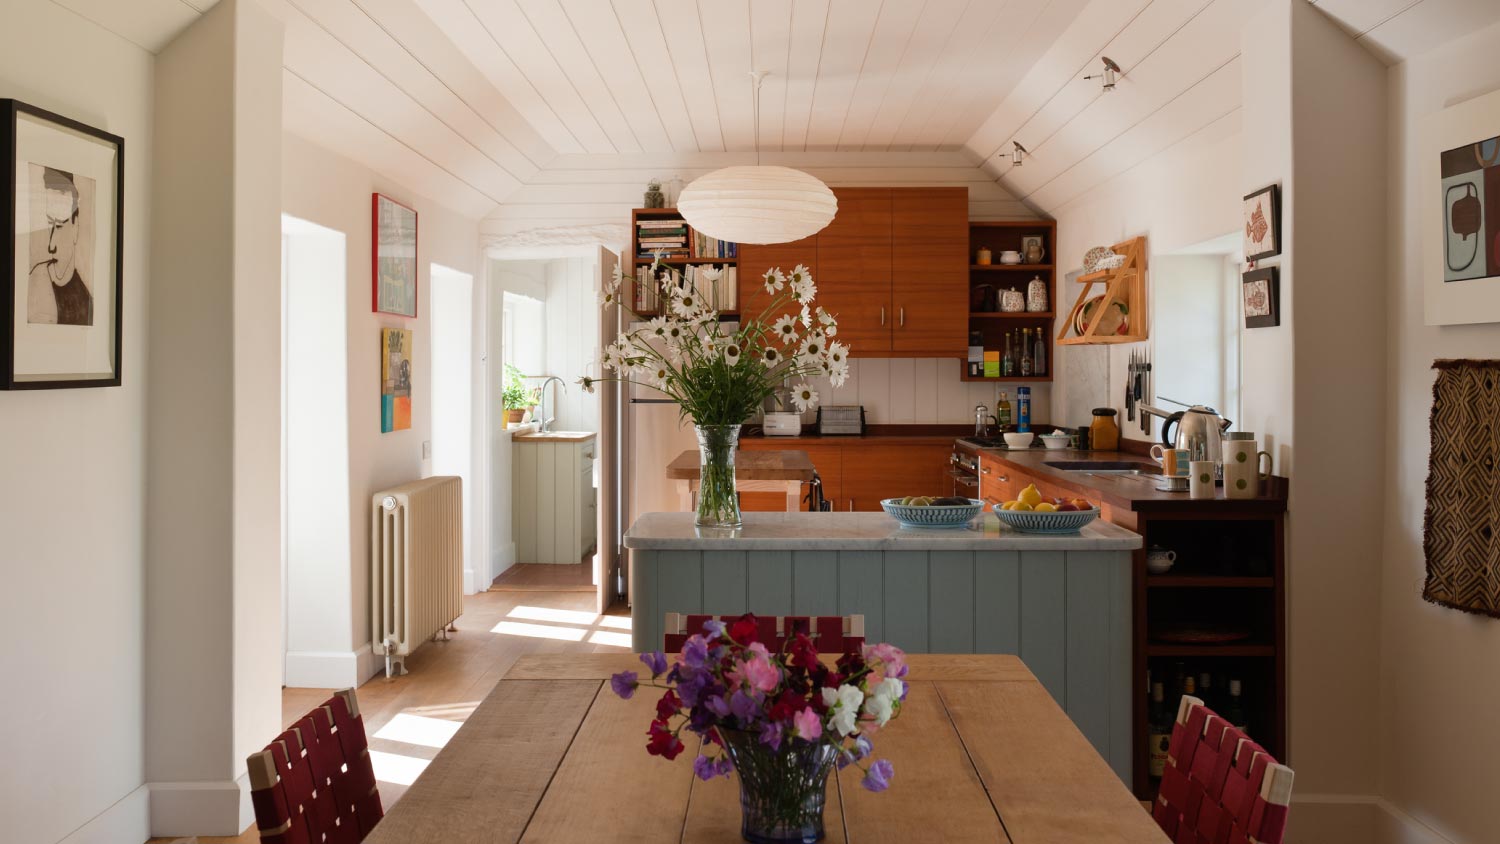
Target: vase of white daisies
(720,375)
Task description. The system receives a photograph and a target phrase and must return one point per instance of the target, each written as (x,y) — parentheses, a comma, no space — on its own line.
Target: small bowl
(1019,440)
(1056,440)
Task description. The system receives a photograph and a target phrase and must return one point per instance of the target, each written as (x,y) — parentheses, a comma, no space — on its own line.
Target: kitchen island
(1061,603)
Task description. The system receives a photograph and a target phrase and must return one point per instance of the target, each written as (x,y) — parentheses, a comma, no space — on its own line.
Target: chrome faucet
(542,417)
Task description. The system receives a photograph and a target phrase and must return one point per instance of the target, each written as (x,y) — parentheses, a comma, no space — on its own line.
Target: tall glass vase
(718,503)
(781,791)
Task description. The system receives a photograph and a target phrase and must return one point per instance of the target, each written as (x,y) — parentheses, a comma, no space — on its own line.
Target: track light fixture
(1109,75)
(1018,154)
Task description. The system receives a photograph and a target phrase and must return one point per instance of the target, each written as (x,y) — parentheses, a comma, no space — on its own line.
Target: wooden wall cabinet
(892,266)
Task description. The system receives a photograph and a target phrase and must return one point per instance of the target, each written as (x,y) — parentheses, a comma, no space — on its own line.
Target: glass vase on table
(782,792)
(718,502)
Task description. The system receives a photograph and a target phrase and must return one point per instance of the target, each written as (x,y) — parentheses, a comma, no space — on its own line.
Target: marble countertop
(863,532)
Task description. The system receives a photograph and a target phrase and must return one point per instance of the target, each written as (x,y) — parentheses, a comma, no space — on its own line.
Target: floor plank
(547,577)
(447,679)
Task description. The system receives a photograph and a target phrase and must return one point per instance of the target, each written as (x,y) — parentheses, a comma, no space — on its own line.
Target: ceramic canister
(1242,466)
(1201,481)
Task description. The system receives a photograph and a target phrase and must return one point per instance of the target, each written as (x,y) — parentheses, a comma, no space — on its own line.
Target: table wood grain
(981,752)
(749,466)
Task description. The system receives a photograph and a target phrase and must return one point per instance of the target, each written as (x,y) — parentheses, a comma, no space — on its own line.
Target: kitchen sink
(1107,467)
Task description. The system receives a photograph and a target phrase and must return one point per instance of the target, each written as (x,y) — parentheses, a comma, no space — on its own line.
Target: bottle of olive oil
(1002,410)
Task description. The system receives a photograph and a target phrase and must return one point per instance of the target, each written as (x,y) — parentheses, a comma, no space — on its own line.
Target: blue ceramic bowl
(946,516)
(1030,521)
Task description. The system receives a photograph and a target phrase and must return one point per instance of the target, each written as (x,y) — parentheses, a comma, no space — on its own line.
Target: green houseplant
(517,398)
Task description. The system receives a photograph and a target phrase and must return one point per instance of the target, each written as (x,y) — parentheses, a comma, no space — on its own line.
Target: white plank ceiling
(549,114)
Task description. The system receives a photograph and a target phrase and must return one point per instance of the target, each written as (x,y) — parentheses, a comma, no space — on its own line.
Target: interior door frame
(612,500)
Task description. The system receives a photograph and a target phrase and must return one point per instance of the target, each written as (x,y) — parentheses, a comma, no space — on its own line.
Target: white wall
(1439,689)
(572,319)
(325,188)
(72,509)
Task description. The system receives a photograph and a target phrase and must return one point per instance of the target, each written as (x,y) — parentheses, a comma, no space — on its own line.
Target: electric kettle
(1199,430)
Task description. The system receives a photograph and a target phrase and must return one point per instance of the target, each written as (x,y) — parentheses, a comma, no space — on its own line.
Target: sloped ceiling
(541,115)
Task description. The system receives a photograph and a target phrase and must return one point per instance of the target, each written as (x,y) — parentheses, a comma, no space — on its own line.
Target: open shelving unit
(639,215)
(987,282)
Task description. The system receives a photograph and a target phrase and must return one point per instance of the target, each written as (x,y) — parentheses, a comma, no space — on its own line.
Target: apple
(1067,507)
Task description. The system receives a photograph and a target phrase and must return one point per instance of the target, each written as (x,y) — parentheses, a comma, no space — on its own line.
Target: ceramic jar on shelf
(1012,301)
(1036,296)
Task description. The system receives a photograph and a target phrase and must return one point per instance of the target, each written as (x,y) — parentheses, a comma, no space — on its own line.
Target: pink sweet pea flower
(891,658)
(808,725)
(759,674)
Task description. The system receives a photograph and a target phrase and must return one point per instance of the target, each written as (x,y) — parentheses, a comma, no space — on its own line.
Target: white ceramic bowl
(1019,440)
(1055,440)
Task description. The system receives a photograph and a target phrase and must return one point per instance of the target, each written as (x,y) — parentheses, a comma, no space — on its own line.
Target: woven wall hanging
(1463,488)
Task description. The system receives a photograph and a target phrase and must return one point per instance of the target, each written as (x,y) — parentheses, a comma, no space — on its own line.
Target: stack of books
(721,294)
(668,237)
(709,247)
(647,292)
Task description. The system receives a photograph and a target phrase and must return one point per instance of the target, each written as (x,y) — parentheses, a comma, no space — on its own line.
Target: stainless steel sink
(1106,467)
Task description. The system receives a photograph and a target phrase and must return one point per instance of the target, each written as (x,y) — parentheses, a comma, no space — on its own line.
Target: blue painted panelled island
(1061,603)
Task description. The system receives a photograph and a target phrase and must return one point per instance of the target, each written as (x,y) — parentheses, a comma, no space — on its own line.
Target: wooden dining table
(782,471)
(981,753)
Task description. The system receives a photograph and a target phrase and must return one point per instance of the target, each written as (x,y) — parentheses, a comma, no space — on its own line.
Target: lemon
(1022,505)
(1030,496)
(906,502)
(1009,505)
(1046,507)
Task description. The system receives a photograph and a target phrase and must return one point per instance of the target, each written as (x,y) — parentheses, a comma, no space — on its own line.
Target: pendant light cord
(757,76)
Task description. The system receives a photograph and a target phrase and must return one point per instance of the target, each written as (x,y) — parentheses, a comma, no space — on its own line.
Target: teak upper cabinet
(893,266)
(930,272)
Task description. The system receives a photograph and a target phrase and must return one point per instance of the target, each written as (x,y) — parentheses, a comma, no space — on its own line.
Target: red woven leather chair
(830,633)
(314,783)
(1219,787)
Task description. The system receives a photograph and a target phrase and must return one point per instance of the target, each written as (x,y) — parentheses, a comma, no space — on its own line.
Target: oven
(963,469)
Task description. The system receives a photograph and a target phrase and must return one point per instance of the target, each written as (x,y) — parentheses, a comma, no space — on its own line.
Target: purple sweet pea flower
(717,705)
(692,685)
(860,750)
(723,767)
(707,768)
(624,683)
(713,628)
(770,735)
(744,707)
(878,778)
(695,652)
(657,662)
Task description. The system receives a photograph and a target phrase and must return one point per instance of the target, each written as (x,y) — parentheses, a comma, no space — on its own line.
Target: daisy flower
(805,291)
(774,281)
(686,304)
(732,352)
(609,296)
(804,397)
(786,329)
(813,348)
(838,354)
(586,383)
(770,356)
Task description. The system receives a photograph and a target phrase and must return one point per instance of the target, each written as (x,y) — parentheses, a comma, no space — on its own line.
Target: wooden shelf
(1012,315)
(1012,267)
(1097,341)
(670,261)
(1208,581)
(1020,379)
(1189,651)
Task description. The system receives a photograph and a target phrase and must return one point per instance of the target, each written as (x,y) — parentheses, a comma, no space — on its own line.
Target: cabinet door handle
(984,471)
(1004,479)
(901,317)
(851,505)
(882,314)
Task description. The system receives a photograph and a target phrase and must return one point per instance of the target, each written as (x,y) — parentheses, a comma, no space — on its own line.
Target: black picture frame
(1272,277)
(10,113)
(1275,222)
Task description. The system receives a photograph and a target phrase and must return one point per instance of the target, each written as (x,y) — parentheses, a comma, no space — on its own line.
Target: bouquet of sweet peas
(725,679)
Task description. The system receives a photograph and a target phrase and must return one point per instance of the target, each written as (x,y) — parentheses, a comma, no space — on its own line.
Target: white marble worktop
(863,532)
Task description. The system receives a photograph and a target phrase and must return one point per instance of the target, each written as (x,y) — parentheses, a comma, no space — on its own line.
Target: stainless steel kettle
(1199,430)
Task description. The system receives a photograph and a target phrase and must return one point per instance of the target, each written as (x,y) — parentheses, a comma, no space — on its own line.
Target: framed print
(395,258)
(60,318)
(1260,291)
(1262,211)
(395,379)
(1460,215)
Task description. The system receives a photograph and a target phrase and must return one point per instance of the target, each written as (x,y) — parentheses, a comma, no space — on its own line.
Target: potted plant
(517,398)
(720,378)
(781,720)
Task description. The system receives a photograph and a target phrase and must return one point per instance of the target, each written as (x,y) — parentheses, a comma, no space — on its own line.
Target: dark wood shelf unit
(989,324)
(1167,581)
(1163,649)
(639,214)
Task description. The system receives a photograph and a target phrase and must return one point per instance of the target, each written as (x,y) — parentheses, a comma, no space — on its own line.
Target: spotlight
(1110,75)
(1017,154)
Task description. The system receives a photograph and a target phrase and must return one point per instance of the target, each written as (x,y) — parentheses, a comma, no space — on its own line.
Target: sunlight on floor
(395,768)
(607,637)
(619,622)
(539,631)
(560,616)
(417,729)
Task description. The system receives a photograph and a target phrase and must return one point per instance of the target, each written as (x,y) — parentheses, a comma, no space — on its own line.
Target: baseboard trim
(1356,819)
(218,807)
(129,819)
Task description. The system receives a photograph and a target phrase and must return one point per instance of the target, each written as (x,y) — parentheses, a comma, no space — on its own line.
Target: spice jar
(1104,434)
(983,256)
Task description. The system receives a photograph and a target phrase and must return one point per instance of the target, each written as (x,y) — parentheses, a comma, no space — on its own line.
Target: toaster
(781,424)
(846,419)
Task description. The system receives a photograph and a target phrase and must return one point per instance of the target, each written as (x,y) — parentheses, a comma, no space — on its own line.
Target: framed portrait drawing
(60,318)
(395,258)
(1460,222)
(1261,293)
(1262,222)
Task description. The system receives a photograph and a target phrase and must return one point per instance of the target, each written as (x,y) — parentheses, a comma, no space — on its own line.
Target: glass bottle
(1159,730)
(1008,363)
(1234,712)
(1002,410)
(1039,354)
(1026,362)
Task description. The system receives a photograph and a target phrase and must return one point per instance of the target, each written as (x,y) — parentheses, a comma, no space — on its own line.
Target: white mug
(1242,468)
(1160,560)
(1201,481)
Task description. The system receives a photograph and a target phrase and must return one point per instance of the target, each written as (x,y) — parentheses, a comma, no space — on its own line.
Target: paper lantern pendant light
(757,204)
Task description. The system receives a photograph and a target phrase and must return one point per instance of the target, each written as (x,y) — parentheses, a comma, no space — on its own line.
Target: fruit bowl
(932,515)
(1057,521)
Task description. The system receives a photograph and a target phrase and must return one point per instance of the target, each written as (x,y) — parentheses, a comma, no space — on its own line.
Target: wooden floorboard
(447,679)
(547,577)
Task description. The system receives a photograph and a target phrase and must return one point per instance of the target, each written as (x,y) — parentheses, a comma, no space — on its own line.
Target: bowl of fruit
(929,512)
(1030,513)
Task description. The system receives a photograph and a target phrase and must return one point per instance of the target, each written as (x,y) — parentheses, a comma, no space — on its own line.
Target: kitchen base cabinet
(554,504)
(876,472)
(827,461)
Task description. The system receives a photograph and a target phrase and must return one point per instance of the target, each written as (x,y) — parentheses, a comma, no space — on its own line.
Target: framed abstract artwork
(1262,212)
(395,257)
(1461,213)
(60,317)
(1261,293)
(395,379)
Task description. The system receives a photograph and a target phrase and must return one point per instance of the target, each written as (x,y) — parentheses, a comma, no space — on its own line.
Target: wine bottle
(1206,691)
(1159,731)
(1008,363)
(1039,354)
(1234,712)
(1026,362)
